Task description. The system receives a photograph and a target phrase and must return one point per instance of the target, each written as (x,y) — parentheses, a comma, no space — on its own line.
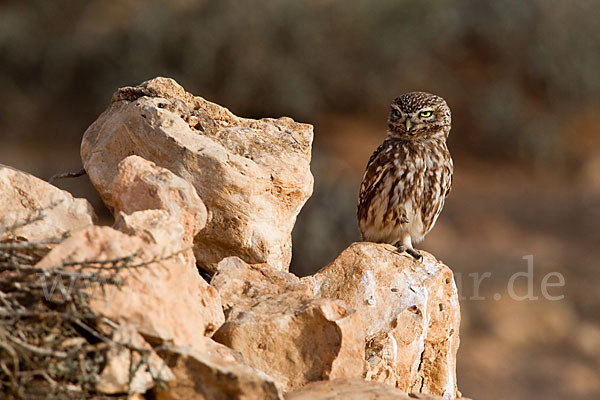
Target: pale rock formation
(372,313)
(353,389)
(409,310)
(212,371)
(23,197)
(158,206)
(282,331)
(163,298)
(253,175)
(140,185)
(155,227)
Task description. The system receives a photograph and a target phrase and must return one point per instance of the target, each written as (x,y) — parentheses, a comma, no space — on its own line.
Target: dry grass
(52,344)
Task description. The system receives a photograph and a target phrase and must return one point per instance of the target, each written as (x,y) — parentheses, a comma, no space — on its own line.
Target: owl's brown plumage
(409,176)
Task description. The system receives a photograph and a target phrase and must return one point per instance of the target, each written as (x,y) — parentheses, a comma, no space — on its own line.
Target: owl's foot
(415,254)
(409,250)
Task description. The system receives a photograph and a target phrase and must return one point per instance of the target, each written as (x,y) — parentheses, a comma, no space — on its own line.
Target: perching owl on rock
(409,176)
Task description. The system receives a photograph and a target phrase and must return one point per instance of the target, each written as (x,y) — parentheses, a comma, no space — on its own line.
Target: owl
(409,175)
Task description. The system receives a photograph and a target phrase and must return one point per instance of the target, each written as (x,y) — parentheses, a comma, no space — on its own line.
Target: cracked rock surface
(253,175)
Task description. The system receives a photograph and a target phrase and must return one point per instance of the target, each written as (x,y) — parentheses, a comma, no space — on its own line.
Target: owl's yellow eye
(396,113)
(425,114)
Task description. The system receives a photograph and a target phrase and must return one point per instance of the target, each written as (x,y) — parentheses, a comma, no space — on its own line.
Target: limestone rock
(166,299)
(140,185)
(212,371)
(115,377)
(241,285)
(282,331)
(352,389)
(253,175)
(410,312)
(23,196)
(155,227)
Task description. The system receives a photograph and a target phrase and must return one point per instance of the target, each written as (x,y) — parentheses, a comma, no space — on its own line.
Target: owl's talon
(415,254)
(400,248)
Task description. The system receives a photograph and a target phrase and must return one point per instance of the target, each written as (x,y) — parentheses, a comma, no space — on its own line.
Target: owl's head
(417,115)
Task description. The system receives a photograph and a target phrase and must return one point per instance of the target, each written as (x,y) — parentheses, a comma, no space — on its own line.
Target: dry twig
(41,309)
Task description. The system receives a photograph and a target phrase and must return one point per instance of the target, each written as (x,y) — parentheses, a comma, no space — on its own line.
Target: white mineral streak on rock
(368,281)
(411,329)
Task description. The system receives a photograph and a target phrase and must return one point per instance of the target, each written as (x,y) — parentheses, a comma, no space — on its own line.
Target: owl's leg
(414,254)
(405,245)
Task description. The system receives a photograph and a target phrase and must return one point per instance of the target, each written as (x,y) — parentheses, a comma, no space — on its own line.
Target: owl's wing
(450,171)
(438,183)
(379,173)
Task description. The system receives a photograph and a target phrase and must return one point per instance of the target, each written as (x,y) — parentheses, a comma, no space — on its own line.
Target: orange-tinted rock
(155,227)
(353,389)
(253,175)
(140,185)
(212,371)
(166,299)
(282,331)
(23,196)
(410,312)
(116,375)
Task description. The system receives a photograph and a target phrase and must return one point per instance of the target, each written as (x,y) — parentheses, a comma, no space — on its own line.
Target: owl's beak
(408,124)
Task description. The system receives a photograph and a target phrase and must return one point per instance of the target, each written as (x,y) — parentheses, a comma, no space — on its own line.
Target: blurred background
(522,79)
